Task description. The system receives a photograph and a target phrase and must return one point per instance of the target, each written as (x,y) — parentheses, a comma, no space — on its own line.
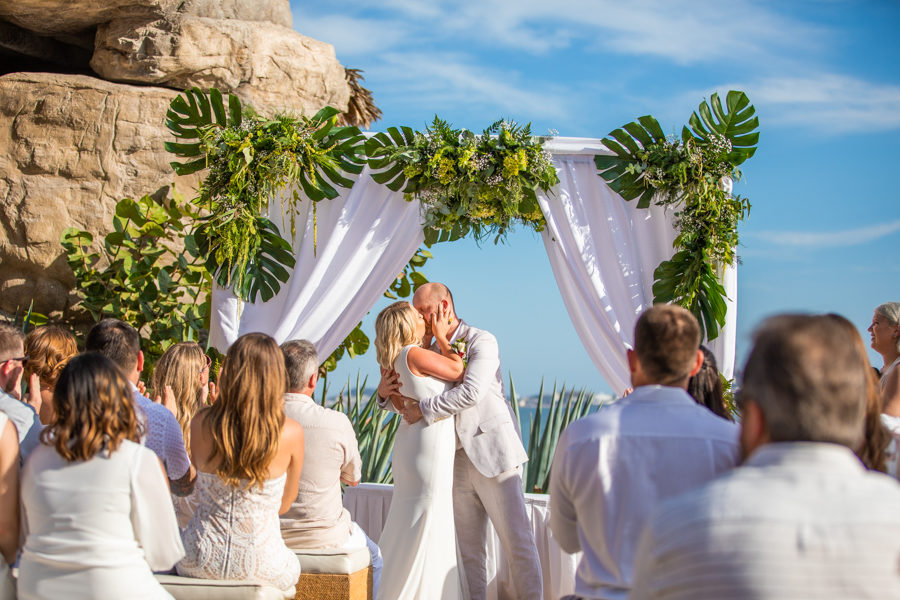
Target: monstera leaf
(688,280)
(736,122)
(383,149)
(263,271)
(340,150)
(188,114)
(622,171)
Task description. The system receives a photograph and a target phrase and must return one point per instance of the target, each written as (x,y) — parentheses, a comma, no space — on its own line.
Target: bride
(419,538)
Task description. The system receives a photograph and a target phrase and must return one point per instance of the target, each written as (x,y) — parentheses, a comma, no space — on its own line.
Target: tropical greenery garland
(250,158)
(466,183)
(693,175)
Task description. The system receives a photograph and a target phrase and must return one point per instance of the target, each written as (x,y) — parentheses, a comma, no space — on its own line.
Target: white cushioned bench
(334,574)
(190,588)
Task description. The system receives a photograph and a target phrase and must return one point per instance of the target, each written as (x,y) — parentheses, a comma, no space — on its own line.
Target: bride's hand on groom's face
(440,322)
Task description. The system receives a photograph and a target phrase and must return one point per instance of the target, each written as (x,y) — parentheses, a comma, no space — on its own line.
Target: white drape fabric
(603,251)
(364,239)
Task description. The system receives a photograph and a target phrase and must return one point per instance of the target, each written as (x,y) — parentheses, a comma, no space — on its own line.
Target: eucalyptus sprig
(466,182)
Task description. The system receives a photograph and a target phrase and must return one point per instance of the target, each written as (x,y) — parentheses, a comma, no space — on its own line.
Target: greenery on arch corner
(467,183)
(693,175)
(249,159)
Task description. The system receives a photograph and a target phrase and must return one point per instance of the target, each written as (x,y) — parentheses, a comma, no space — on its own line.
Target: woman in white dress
(96,514)
(248,457)
(885,332)
(419,538)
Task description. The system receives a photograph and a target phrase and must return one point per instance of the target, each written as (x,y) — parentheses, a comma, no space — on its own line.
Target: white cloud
(446,80)
(828,239)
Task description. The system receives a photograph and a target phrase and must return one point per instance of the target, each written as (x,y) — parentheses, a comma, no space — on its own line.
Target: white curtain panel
(603,251)
(365,238)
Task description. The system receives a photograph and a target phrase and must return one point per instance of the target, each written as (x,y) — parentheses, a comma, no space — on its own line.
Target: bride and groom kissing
(457,456)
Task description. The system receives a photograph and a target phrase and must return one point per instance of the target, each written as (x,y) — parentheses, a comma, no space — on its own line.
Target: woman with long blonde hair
(48,349)
(248,457)
(96,515)
(180,382)
(418,542)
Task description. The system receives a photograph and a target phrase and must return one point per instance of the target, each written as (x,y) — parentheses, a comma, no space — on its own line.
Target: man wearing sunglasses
(12,364)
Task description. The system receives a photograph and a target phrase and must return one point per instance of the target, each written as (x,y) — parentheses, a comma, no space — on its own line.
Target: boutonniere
(460,346)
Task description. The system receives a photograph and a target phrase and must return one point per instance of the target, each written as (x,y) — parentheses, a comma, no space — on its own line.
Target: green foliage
(544,433)
(30,319)
(250,158)
(465,182)
(375,430)
(140,275)
(689,174)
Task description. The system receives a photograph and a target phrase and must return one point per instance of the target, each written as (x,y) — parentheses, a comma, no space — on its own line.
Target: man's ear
(313,380)
(754,432)
(633,362)
(698,363)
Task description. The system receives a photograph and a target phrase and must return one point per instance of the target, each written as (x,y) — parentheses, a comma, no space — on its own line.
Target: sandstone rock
(49,17)
(268,66)
(73,146)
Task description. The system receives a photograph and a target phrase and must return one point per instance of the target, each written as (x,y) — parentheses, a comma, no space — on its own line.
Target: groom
(487,477)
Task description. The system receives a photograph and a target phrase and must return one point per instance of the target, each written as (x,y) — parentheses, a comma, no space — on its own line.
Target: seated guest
(317,519)
(23,416)
(48,349)
(120,342)
(706,386)
(96,515)
(9,493)
(613,468)
(802,518)
(249,457)
(180,377)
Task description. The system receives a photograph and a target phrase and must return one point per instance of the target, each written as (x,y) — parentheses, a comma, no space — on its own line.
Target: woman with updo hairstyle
(248,456)
(885,332)
(96,515)
(706,386)
(180,381)
(48,349)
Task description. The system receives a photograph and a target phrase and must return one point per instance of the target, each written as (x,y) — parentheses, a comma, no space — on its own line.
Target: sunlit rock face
(84,87)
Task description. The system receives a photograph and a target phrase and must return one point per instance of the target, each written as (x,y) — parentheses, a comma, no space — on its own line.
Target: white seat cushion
(333,560)
(190,588)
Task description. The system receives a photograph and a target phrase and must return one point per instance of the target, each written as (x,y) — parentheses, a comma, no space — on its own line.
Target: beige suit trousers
(477,499)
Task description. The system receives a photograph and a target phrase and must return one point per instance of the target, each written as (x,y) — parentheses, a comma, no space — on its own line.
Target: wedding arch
(354,209)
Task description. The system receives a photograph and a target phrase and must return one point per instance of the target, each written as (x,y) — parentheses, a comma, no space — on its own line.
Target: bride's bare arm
(448,367)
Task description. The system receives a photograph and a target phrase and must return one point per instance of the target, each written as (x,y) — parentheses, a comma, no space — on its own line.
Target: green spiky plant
(544,433)
(689,174)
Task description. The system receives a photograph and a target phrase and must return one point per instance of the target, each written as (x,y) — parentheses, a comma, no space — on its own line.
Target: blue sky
(824,231)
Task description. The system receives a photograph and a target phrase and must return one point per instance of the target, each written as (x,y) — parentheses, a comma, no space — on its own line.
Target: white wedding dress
(419,538)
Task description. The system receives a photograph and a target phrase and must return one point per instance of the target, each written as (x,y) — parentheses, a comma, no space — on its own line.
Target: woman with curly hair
(96,514)
(248,457)
(48,349)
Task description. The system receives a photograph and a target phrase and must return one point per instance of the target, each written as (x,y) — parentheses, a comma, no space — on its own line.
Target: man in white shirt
(317,518)
(613,468)
(12,364)
(802,518)
(121,343)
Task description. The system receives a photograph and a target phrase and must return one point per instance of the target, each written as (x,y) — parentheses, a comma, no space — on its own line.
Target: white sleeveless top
(415,386)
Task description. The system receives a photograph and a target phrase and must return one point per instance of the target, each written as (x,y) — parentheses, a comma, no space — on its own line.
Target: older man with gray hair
(802,518)
(317,518)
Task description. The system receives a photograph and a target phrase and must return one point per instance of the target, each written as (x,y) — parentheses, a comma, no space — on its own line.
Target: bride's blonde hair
(395,327)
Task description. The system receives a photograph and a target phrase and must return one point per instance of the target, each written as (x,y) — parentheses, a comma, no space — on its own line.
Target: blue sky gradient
(824,231)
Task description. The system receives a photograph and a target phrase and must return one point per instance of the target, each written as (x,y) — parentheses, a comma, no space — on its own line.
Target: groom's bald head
(429,297)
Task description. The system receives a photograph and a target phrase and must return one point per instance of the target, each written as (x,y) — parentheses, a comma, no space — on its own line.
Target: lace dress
(234,534)
(419,538)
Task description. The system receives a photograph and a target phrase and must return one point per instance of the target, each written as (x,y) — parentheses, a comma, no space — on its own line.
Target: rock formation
(84,87)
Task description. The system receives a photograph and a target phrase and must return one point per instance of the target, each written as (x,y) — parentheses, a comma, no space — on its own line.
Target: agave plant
(375,430)
(544,432)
